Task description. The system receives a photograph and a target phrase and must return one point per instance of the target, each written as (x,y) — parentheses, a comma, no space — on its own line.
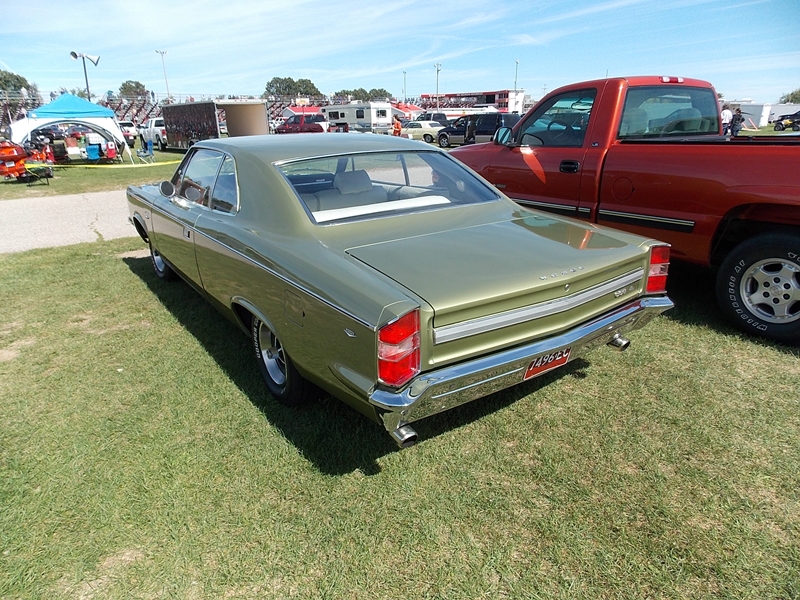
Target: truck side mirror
(502,137)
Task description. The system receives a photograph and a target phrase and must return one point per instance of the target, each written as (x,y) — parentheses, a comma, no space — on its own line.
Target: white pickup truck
(153,130)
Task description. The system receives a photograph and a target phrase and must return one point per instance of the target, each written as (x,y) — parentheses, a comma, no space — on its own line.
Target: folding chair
(93,152)
(146,154)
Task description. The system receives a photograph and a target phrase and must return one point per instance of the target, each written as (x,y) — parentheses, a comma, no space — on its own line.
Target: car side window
(561,121)
(225,197)
(199,173)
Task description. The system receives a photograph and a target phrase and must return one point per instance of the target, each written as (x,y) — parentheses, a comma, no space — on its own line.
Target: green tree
(286,86)
(363,95)
(132,89)
(791,97)
(11,82)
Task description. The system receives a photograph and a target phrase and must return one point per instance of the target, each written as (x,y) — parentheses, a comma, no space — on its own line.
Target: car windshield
(369,185)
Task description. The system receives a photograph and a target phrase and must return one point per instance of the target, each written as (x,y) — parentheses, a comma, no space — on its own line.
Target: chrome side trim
(549,206)
(437,391)
(283,278)
(457,331)
(647,220)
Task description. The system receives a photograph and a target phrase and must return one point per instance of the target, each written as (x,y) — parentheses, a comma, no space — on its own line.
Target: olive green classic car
(387,274)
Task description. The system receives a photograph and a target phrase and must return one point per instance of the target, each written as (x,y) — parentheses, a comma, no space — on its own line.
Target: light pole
(516,70)
(94,59)
(438,68)
(164,66)
(404,87)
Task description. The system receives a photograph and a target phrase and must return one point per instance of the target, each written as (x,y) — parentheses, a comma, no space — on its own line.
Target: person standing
(737,121)
(727,116)
(397,126)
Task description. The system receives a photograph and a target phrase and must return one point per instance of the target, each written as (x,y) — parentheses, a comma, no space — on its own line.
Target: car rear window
(369,185)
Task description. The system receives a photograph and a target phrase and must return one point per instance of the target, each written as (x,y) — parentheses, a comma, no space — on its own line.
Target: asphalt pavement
(45,222)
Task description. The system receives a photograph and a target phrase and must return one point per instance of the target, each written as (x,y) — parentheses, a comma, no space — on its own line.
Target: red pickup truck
(646,154)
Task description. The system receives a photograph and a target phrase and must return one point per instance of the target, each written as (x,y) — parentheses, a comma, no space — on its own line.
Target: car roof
(272,148)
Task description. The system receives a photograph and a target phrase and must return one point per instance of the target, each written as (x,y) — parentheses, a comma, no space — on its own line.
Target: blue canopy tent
(70,109)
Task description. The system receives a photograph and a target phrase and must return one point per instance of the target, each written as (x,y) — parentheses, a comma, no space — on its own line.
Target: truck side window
(562,121)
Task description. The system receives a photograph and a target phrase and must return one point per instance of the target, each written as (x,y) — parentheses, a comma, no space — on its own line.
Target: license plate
(10,164)
(548,362)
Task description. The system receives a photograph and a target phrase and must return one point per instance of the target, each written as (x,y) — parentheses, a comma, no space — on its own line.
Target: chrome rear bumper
(446,388)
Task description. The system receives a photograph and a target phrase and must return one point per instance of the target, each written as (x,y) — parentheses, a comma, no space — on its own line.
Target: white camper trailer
(375,117)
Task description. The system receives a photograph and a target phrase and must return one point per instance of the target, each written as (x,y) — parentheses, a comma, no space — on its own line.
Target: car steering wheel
(568,130)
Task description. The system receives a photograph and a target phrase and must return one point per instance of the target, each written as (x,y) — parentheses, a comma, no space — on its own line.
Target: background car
(421,130)
(77,131)
(304,123)
(486,124)
(52,132)
(439,117)
(129,131)
(387,273)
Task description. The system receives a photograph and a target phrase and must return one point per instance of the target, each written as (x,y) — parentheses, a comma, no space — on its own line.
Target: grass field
(140,457)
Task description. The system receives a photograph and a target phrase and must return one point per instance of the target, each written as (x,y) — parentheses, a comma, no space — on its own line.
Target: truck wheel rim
(272,355)
(771,290)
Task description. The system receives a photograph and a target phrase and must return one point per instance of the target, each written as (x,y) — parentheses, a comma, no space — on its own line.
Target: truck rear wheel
(161,144)
(758,286)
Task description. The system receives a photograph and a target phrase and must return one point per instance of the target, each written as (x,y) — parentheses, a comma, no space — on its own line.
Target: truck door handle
(569,166)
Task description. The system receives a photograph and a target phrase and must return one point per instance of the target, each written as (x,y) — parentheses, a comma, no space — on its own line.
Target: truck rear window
(664,111)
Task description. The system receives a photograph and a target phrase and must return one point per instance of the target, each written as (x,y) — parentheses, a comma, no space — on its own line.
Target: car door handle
(187,233)
(569,166)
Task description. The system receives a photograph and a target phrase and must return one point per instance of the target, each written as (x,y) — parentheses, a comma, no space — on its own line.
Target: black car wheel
(283,381)
(161,144)
(160,266)
(779,127)
(444,141)
(758,286)
(796,127)
(427,137)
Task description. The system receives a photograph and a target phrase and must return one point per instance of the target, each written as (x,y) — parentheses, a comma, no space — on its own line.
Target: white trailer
(375,117)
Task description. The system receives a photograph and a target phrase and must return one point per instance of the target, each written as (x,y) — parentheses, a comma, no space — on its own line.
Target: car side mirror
(503,137)
(167,189)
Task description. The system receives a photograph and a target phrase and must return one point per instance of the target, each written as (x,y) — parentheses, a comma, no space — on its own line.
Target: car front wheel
(758,286)
(283,381)
(444,141)
(779,127)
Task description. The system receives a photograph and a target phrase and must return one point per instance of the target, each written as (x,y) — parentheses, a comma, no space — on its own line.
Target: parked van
(486,125)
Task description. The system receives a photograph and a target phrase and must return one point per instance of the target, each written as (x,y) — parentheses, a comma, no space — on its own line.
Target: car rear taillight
(398,350)
(659,268)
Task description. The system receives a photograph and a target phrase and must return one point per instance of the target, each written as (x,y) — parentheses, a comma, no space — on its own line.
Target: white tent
(70,109)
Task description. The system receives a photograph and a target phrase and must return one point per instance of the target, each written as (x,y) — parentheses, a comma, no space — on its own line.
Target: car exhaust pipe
(404,436)
(619,343)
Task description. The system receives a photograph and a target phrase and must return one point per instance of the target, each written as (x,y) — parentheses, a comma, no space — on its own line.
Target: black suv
(486,124)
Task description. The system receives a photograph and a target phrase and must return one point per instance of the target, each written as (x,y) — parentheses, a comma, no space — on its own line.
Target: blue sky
(747,49)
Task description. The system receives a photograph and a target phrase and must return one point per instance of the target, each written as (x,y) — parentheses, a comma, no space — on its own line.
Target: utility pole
(164,66)
(438,68)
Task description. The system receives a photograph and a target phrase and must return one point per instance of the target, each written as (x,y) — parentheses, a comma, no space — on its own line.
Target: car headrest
(352,182)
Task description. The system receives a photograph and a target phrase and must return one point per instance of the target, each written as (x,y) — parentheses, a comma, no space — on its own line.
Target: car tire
(428,138)
(161,145)
(758,286)
(283,381)
(160,266)
(795,127)
(779,127)
(444,141)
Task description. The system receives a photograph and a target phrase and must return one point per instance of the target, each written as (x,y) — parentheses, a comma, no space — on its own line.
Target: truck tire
(161,144)
(444,141)
(758,286)
(779,126)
